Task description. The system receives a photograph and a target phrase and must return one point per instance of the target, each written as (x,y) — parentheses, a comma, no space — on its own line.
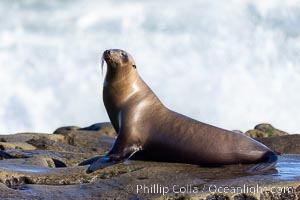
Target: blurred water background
(231,63)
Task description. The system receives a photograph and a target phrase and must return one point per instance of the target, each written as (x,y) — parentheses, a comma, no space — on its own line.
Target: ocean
(232,64)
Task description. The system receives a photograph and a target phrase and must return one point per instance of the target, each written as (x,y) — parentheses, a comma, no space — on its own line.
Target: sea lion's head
(117,59)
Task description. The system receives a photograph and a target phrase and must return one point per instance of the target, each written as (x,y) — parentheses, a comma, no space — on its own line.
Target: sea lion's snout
(106,55)
(107,52)
(112,55)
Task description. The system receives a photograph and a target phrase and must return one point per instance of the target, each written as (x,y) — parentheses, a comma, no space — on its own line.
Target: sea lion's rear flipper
(268,162)
(113,158)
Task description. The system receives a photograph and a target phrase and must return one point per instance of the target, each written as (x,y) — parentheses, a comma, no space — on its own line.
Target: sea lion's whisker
(102,63)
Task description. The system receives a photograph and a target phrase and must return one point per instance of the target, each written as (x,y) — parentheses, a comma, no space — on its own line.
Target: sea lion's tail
(268,161)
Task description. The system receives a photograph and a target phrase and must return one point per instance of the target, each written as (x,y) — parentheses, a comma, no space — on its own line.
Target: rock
(97,126)
(65,148)
(244,197)
(16,145)
(61,159)
(297,191)
(4,155)
(66,129)
(105,128)
(288,193)
(43,166)
(265,130)
(121,181)
(179,197)
(287,144)
(15,183)
(217,197)
(267,195)
(255,134)
(38,171)
(238,131)
(89,140)
(97,137)
(270,130)
(41,161)
(44,143)
(24,137)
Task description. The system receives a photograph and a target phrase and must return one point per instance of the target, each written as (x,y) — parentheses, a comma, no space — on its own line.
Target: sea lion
(145,125)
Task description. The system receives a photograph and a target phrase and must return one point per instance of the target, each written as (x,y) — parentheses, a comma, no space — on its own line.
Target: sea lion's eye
(134,66)
(123,54)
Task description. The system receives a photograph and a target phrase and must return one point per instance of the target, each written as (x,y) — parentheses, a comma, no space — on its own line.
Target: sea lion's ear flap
(134,65)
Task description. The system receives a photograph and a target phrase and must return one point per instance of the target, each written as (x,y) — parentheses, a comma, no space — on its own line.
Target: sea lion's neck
(122,79)
(121,87)
(130,89)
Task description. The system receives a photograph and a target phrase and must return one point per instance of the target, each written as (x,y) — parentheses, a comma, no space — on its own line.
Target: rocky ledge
(46,166)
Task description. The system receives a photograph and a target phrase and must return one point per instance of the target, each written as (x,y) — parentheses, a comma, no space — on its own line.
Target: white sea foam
(229,63)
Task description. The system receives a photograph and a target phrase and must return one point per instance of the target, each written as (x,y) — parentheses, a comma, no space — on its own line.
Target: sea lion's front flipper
(127,143)
(113,158)
(101,163)
(90,161)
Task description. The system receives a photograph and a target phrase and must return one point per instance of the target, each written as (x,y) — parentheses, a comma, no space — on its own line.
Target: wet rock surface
(45,166)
